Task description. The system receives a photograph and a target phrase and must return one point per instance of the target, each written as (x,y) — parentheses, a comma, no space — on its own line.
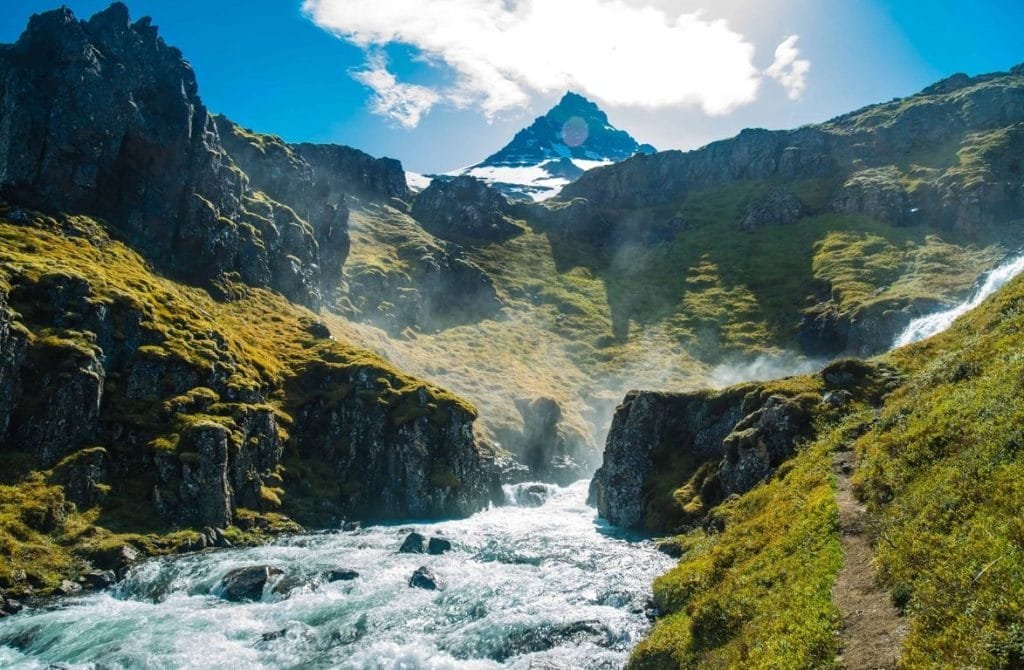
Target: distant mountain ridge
(573,137)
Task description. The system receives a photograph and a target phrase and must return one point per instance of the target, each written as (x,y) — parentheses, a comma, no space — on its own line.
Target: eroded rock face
(552,450)
(340,169)
(60,406)
(761,441)
(876,193)
(375,452)
(856,158)
(276,169)
(647,429)
(464,208)
(13,344)
(739,435)
(126,137)
(97,374)
(192,484)
(779,207)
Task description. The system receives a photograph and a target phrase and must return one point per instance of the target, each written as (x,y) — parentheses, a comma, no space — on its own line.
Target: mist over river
(548,586)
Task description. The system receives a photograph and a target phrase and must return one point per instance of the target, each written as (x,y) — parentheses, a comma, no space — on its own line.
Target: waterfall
(932,324)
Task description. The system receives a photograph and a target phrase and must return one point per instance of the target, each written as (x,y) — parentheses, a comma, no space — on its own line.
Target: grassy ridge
(940,465)
(943,475)
(757,594)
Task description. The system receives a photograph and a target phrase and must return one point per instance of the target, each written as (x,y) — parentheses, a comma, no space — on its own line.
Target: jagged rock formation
(341,169)
(102,117)
(464,208)
(671,456)
(164,407)
(779,207)
(556,149)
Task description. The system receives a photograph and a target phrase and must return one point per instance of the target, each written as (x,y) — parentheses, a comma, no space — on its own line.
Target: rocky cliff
(103,117)
(942,163)
(159,408)
(671,457)
(866,154)
(157,392)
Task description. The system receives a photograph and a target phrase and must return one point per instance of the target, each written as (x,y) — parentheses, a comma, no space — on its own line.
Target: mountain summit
(555,149)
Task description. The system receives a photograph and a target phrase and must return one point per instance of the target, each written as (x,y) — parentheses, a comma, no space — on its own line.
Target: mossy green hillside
(581,322)
(253,340)
(941,472)
(758,593)
(937,436)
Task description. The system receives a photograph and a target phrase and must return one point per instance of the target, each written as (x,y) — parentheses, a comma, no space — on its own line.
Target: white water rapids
(525,587)
(933,324)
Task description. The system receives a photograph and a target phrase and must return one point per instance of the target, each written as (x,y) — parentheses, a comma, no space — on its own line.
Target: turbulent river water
(546,586)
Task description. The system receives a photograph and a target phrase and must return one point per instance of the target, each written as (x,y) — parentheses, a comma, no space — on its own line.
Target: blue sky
(270,66)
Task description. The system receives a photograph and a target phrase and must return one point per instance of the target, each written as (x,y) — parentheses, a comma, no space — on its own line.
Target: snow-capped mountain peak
(574,136)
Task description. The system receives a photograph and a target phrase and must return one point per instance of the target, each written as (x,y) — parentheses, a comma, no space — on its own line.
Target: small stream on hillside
(546,586)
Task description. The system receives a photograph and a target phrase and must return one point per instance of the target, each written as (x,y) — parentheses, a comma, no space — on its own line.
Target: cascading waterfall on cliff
(540,582)
(932,324)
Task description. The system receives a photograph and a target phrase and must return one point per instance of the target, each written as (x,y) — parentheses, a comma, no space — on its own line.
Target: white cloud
(405,103)
(502,51)
(789,69)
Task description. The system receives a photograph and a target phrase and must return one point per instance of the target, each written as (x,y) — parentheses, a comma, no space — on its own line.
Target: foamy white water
(525,587)
(932,324)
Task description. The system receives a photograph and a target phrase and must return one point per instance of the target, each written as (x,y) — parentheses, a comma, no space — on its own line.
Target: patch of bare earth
(873,630)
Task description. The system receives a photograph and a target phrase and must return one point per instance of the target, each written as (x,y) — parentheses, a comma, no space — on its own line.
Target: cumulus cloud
(503,51)
(789,69)
(405,103)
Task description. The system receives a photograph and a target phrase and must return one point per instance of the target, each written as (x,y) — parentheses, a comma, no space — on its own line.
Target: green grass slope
(940,466)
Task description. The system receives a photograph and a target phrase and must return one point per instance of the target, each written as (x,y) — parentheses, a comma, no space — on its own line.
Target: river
(547,586)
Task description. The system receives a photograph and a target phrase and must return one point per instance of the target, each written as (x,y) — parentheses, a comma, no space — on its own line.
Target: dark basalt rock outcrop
(779,207)
(665,447)
(126,137)
(647,429)
(375,451)
(761,441)
(339,170)
(464,208)
(96,374)
(739,436)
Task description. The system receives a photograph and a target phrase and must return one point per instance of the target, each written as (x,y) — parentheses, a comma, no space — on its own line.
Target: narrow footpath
(873,630)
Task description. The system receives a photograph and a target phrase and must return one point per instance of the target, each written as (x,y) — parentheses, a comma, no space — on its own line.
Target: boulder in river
(438,545)
(424,578)
(340,575)
(246,583)
(8,607)
(413,544)
(99,579)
